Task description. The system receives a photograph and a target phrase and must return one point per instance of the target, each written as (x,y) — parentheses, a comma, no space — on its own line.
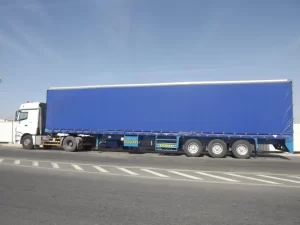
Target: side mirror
(16,115)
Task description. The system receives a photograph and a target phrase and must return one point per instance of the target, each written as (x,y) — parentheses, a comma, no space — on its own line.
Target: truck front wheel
(27,142)
(70,144)
(193,148)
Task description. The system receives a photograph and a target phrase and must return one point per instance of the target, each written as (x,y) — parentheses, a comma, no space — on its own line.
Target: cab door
(26,123)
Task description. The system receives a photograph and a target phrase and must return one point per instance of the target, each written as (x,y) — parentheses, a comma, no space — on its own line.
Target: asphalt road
(54,187)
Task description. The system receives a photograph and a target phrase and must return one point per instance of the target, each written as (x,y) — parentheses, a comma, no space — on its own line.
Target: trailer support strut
(97,142)
(255,147)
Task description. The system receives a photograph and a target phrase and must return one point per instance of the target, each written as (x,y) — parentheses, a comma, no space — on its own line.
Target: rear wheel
(70,144)
(27,142)
(241,149)
(217,148)
(193,148)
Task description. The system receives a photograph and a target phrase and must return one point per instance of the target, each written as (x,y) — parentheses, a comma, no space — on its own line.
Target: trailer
(188,117)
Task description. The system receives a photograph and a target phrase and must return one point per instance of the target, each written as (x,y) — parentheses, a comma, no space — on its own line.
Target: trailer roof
(173,84)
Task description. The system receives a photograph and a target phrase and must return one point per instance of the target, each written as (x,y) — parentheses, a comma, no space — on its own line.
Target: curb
(10,145)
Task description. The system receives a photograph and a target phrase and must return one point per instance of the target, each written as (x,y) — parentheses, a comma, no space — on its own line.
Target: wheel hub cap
(193,148)
(242,149)
(26,141)
(217,149)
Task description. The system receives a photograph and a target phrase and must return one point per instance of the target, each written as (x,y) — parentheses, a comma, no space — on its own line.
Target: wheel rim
(26,142)
(70,144)
(242,149)
(217,149)
(193,148)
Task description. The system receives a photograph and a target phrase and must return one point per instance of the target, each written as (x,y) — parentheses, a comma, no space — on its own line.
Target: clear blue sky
(87,42)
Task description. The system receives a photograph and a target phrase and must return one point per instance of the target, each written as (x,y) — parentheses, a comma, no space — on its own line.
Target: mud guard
(289,143)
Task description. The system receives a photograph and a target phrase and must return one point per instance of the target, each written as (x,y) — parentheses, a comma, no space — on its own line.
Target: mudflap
(289,143)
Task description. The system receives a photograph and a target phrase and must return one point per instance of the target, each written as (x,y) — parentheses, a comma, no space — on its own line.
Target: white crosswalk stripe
(207,176)
(128,171)
(77,167)
(100,169)
(282,179)
(154,173)
(252,178)
(55,165)
(185,175)
(217,177)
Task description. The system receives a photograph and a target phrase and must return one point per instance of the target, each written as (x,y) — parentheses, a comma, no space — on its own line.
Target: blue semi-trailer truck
(191,117)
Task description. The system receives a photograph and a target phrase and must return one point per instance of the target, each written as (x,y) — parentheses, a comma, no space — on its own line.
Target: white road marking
(185,175)
(155,173)
(205,173)
(77,167)
(55,165)
(128,171)
(252,178)
(217,177)
(283,179)
(154,168)
(100,169)
(182,179)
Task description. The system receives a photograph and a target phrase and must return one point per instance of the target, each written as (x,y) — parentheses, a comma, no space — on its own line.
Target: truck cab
(29,122)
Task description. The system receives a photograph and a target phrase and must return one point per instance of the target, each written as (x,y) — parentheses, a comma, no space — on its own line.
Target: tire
(241,149)
(70,144)
(193,148)
(217,148)
(27,142)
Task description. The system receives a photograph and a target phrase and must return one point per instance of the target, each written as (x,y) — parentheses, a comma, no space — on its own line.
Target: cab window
(23,116)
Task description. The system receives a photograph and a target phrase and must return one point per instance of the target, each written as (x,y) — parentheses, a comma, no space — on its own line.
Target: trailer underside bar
(157,133)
